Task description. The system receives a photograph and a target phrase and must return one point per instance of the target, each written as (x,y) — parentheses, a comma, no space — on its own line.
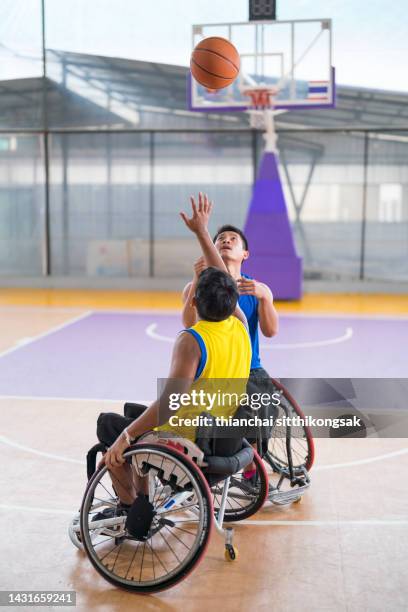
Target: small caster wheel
(231,552)
(75,534)
(298,500)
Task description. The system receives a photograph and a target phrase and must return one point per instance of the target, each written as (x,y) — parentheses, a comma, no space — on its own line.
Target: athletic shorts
(259,382)
(110,425)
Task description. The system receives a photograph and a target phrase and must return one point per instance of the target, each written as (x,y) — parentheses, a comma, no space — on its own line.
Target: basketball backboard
(295,57)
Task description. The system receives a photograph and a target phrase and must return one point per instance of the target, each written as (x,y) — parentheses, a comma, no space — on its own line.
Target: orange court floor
(347,303)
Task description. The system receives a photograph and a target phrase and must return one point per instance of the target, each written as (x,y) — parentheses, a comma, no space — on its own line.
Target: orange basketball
(215,63)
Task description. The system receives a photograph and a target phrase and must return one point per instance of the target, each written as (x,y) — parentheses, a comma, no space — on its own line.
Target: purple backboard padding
(273,258)
(267,235)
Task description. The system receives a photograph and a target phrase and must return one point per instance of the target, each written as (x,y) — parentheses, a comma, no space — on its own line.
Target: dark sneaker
(111,512)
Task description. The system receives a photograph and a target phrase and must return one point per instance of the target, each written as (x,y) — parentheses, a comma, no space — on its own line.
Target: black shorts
(110,425)
(260,382)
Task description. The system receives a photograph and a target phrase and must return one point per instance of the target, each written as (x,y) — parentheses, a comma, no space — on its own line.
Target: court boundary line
(403,451)
(256,523)
(150,331)
(51,331)
(45,398)
(7,442)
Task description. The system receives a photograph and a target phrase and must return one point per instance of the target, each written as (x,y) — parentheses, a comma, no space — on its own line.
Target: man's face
(230,247)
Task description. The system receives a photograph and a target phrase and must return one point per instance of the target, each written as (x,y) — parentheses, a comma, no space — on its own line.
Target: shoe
(111,512)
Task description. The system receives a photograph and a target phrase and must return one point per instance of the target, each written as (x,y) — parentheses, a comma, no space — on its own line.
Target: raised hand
(198,223)
(199,266)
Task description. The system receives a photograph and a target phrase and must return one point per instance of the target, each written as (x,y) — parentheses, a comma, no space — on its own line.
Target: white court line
(278,523)
(33,451)
(331,466)
(36,509)
(368,522)
(53,330)
(70,399)
(402,451)
(151,332)
(294,315)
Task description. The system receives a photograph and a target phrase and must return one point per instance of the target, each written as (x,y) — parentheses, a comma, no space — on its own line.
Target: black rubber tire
(240,514)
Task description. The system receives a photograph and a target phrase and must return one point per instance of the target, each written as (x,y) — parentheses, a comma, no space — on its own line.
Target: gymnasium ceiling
(87,91)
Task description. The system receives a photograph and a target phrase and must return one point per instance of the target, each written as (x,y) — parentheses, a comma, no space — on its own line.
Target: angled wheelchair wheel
(163,536)
(245,496)
(299,438)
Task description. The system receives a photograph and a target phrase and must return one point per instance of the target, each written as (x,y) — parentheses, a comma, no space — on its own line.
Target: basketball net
(262,113)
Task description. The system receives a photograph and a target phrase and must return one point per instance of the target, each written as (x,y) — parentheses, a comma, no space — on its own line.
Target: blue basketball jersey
(249,306)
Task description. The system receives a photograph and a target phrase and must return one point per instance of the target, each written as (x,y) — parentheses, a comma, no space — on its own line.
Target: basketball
(215,63)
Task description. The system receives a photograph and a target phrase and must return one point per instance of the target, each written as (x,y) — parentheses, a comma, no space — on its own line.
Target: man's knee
(106,428)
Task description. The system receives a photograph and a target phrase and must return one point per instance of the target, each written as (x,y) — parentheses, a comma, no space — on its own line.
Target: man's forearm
(212,256)
(146,422)
(189,313)
(268,317)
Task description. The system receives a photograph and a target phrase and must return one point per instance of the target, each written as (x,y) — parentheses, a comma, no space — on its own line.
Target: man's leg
(126,483)
(260,382)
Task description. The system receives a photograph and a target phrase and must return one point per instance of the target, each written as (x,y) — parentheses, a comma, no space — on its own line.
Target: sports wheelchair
(288,452)
(162,537)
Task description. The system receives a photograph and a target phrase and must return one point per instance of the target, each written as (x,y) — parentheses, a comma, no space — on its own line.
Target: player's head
(216,295)
(231,243)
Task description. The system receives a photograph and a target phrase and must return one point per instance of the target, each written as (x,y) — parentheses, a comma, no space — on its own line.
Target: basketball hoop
(262,98)
(261,111)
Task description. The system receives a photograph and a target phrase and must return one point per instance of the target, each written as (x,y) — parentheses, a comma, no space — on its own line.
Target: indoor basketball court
(303,158)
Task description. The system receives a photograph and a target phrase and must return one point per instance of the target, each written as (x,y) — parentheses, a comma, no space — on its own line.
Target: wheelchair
(288,454)
(164,535)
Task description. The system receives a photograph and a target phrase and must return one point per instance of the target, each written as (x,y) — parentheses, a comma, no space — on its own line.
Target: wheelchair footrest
(281,498)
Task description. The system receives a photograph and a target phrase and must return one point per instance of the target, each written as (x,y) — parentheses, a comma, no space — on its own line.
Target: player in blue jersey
(256,301)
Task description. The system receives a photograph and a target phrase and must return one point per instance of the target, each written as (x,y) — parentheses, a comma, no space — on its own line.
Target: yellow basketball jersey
(225,354)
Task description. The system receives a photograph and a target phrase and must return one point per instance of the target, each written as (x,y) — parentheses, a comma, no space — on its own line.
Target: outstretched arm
(198,224)
(189,313)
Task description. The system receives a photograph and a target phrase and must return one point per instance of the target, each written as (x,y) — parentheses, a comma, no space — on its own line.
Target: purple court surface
(119,356)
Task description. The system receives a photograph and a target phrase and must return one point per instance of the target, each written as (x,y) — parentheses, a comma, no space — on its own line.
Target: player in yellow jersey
(218,346)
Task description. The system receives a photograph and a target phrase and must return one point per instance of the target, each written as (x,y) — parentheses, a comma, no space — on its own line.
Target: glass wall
(21,205)
(323,177)
(386,237)
(100,187)
(114,200)
(184,164)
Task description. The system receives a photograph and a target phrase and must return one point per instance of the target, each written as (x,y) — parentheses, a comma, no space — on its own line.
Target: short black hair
(232,228)
(216,295)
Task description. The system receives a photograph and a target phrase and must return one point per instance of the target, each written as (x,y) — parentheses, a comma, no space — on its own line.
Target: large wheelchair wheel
(298,439)
(245,496)
(163,536)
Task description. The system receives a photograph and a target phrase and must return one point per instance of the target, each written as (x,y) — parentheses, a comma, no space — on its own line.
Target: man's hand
(199,267)
(114,455)
(249,286)
(199,221)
